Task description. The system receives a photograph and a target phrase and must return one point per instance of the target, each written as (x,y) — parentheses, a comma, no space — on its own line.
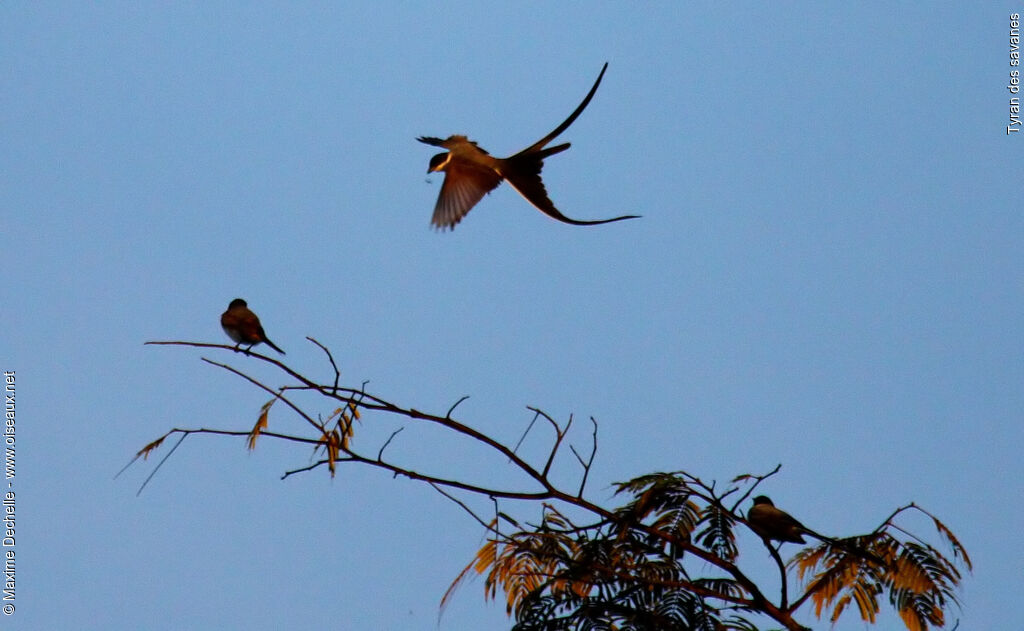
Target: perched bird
(771,523)
(775,524)
(243,326)
(471,172)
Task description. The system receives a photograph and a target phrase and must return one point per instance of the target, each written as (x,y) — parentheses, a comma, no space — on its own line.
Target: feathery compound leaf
(717,536)
(842,579)
(921,586)
(486,556)
(866,597)
(840,605)
(679,516)
(917,610)
(737,623)
(483,559)
(642,483)
(941,574)
(725,586)
(807,560)
(664,496)
(910,575)
(522,564)
(261,423)
(958,550)
(919,580)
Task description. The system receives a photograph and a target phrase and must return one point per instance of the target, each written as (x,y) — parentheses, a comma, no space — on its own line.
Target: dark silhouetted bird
(772,523)
(471,173)
(775,524)
(243,326)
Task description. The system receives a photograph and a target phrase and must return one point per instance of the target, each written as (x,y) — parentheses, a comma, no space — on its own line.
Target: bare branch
(545,415)
(275,393)
(650,530)
(536,415)
(784,597)
(559,436)
(337,373)
(488,527)
(380,454)
(291,472)
(758,480)
(160,464)
(888,520)
(590,460)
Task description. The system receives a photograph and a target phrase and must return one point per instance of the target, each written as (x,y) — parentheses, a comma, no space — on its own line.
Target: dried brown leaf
(958,549)
(261,423)
(144,452)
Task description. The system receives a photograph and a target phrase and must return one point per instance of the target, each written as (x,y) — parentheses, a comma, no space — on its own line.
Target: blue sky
(827,275)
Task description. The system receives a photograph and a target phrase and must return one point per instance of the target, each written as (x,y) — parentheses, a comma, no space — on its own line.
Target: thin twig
(590,461)
(337,373)
(380,454)
(276,393)
(559,436)
(545,415)
(303,469)
(536,415)
(455,405)
(465,508)
(160,464)
(758,480)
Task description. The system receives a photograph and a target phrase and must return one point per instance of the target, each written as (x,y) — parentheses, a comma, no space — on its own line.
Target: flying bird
(471,172)
(243,326)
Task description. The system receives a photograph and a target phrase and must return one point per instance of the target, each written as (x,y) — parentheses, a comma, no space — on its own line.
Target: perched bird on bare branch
(243,326)
(471,172)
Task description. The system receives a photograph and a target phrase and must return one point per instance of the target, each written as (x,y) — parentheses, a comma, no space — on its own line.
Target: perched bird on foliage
(775,524)
(243,326)
(471,172)
(772,523)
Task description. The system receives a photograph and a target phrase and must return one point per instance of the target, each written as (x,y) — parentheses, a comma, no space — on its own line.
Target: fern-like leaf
(717,535)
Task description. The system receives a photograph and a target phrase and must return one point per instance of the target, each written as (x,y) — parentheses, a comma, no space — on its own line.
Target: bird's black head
(763,499)
(437,162)
(236,303)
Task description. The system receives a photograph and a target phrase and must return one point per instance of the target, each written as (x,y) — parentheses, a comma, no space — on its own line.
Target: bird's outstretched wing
(465,183)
